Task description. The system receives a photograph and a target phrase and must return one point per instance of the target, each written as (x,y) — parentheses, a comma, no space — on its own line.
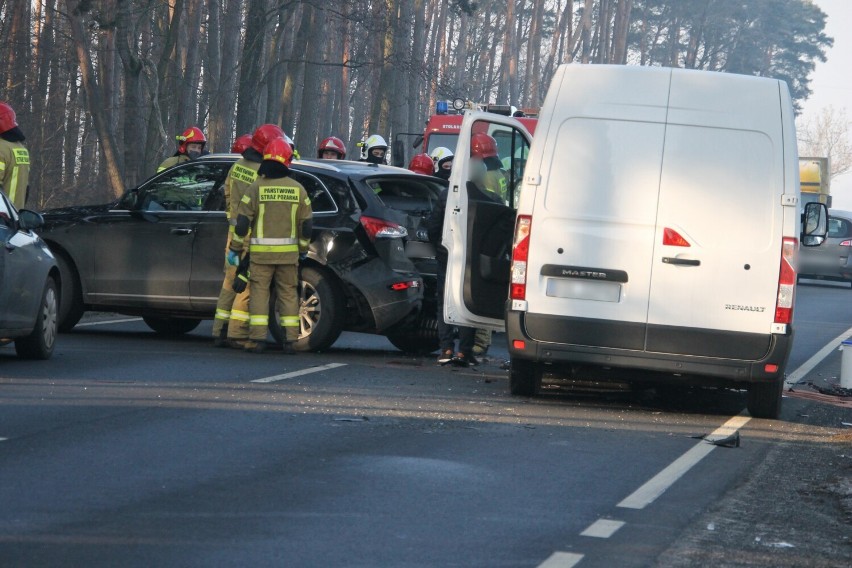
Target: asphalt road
(127,449)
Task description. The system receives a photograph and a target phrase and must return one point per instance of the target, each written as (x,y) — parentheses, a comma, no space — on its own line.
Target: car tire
(321,311)
(418,338)
(39,344)
(171,326)
(764,399)
(71,299)
(524,377)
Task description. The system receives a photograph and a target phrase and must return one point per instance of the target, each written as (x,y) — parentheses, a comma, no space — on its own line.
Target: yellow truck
(815,180)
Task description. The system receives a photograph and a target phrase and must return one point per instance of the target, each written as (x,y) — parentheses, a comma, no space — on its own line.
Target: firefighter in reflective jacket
(231,323)
(487,169)
(14,158)
(277,210)
(190,146)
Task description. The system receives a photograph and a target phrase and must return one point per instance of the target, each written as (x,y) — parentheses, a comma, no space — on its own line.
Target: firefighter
(14,158)
(190,146)
(277,210)
(443,160)
(332,148)
(232,309)
(422,164)
(487,170)
(241,144)
(375,149)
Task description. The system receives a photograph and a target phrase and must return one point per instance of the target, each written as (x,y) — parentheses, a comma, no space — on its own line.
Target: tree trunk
(306,134)
(250,66)
(94,99)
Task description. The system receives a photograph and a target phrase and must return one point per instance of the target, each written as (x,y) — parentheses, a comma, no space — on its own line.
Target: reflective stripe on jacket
(277,209)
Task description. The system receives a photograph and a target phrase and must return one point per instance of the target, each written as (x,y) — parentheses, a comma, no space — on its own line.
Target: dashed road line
(561,560)
(3,439)
(658,484)
(602,528)
(809,365)
(292,374)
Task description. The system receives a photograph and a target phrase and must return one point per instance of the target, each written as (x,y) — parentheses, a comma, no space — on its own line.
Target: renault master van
(655,231)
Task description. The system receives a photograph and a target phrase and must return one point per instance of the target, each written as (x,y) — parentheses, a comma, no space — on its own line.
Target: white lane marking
(3,439)
(808,365)
(602,528)
(308,371)
(658,484)
(105,322)
(561,560)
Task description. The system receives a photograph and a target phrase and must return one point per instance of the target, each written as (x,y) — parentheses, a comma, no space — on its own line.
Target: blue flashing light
(441,107)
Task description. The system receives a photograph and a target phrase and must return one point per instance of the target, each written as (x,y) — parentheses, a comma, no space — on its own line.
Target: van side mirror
(814,224)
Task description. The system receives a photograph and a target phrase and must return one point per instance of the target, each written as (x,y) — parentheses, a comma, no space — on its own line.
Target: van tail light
(381,229)
(520,254)
(674,239)
(786,282)
(846,243)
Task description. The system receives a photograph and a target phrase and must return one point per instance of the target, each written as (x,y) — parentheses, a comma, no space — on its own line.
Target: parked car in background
(158,252)
(833,259)
(29,284)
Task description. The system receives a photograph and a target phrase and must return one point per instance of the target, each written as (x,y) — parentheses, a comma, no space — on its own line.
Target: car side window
(838,228)
(184,188)
(321,200)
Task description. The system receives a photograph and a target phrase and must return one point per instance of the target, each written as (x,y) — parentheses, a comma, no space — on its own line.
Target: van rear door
(594,207)
(479,221)
(719,221)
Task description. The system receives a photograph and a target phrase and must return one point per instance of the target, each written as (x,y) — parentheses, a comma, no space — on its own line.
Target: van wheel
(764,399)
(171,326)
(39,344)
(420,338)
(321,312)
(524,377)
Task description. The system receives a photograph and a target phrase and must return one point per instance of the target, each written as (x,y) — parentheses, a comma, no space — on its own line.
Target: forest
(101,87)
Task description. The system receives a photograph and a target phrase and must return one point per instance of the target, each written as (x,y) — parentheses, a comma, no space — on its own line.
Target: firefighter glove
(233,258)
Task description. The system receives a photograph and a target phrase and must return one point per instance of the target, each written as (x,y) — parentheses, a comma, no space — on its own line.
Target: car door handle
(182,231)
(681,261)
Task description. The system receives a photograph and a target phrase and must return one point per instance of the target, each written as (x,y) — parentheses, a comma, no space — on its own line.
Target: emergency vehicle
(442,128)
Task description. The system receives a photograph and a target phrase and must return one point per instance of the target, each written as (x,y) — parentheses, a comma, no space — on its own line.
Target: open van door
(480,217)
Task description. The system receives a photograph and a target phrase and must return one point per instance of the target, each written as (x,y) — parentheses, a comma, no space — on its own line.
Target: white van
(656,230)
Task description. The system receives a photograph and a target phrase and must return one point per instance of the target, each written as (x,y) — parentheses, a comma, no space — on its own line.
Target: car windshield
(408,195)
(446,140)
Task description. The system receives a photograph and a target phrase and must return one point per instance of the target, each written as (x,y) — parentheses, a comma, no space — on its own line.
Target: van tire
(524,377)
(764,399)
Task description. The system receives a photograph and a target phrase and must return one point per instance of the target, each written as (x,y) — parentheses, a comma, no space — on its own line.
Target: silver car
(832,260)
(29,284)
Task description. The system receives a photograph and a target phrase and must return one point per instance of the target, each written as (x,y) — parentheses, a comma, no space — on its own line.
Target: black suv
(158,252)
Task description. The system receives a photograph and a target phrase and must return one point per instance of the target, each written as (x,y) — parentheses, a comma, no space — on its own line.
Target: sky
(831,83)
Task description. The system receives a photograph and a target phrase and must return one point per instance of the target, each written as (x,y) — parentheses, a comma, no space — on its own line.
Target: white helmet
(440,155)
(375,142)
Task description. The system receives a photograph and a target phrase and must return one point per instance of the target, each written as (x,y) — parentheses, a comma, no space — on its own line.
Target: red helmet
(422,164)
(241,144)
(265,134)
(191,135)
(483,146)
(334,144)
(278,150)
(7,118)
